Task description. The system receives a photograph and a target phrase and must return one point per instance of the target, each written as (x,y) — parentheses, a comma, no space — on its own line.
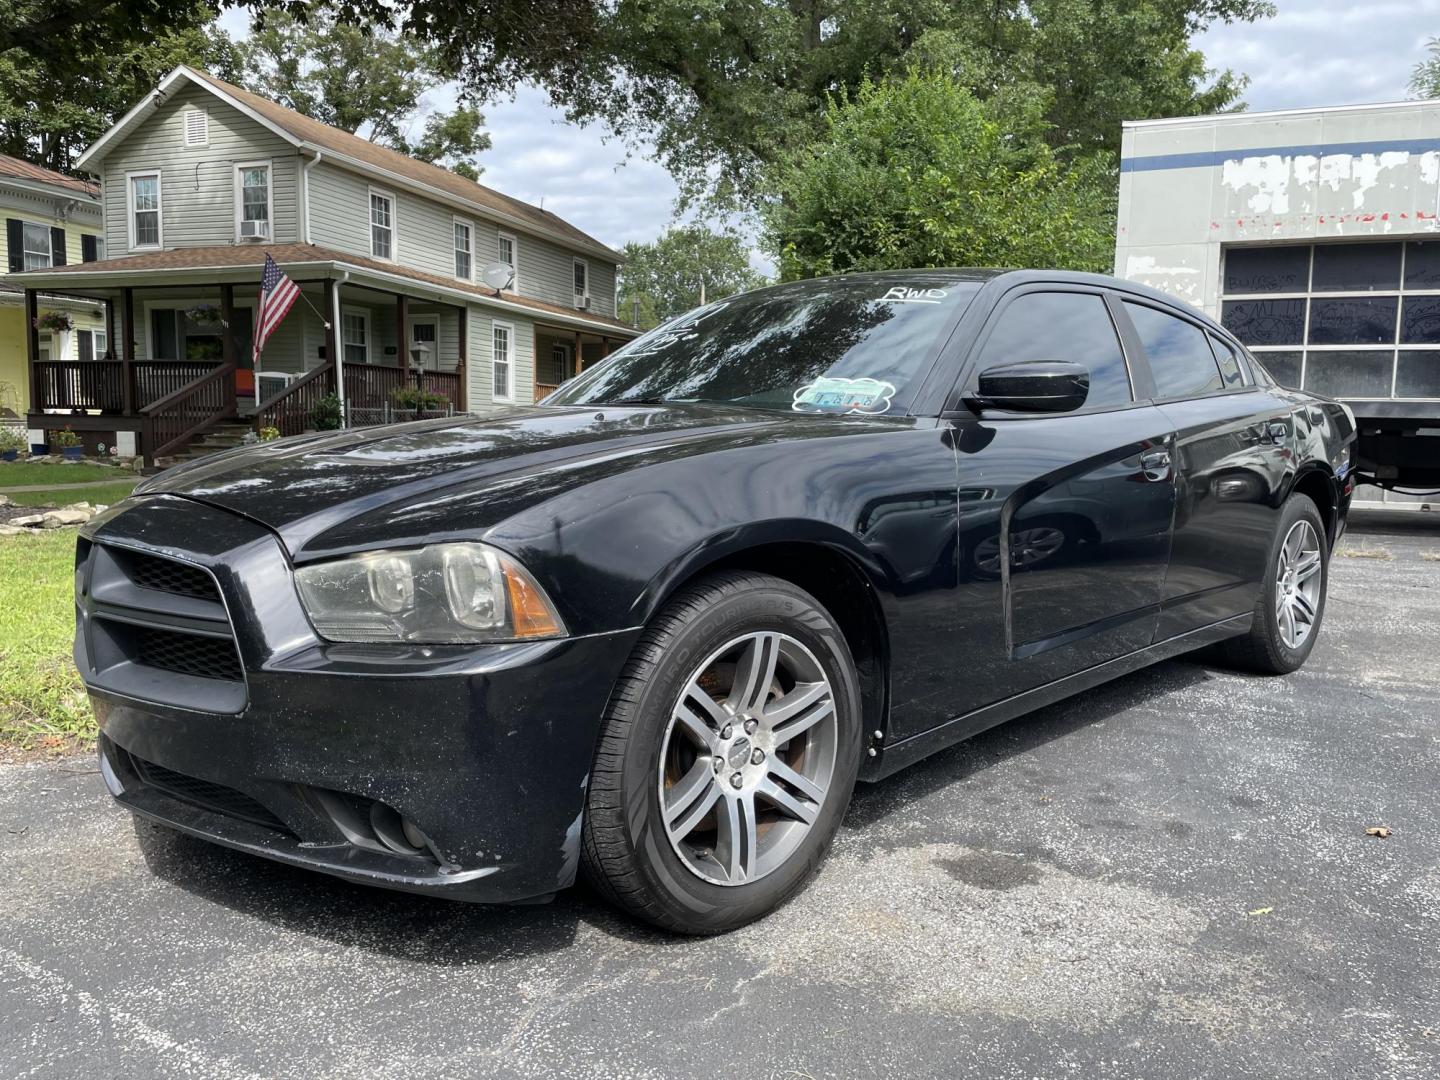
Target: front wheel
(1292,595)
(727,757)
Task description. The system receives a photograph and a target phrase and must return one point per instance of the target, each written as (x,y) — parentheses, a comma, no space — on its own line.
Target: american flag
(277,296)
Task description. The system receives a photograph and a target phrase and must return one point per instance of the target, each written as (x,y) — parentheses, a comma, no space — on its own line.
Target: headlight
(437,594)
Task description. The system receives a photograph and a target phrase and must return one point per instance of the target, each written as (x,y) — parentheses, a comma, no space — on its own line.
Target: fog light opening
(398,833)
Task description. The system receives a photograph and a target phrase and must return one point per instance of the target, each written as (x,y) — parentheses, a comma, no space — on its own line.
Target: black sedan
(657,627)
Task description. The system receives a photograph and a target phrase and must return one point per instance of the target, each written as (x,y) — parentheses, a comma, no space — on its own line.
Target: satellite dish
(498,275)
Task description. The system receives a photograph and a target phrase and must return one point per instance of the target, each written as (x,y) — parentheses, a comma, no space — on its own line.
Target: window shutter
(89,250)
(57,247)
(15,241)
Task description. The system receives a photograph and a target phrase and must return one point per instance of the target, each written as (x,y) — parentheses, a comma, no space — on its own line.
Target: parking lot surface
(1165,877)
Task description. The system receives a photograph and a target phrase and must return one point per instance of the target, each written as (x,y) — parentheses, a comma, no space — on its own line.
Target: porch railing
(289,410)
(176,418)
(99,385)
(369,387)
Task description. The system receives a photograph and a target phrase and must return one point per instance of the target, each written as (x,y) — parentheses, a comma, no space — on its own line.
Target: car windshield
(836,345)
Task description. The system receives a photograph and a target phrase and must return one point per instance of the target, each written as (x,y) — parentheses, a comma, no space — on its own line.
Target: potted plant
(205,314)
(69,444)
(327,414)
(418,399)
(60,324)
(269,434)
(11,443)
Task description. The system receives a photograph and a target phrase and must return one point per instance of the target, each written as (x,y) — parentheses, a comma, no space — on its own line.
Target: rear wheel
(727,757)
(1292,597)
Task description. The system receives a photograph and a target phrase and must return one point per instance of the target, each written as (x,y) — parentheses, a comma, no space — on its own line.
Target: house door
(424,334)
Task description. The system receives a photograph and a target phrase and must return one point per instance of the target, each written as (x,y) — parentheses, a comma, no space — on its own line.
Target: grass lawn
(18,473)
(96,494)
(42,703)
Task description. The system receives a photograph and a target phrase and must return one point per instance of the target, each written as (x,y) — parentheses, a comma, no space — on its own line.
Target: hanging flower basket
(56,322)
(205,315)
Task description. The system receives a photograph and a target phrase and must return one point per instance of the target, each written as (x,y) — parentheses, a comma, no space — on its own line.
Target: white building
(1313,236)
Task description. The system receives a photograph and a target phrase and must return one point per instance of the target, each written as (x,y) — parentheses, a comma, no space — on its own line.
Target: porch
(561,354)
(185,363)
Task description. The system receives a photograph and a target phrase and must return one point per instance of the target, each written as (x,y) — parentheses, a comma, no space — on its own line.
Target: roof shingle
(233,255)
(23,170)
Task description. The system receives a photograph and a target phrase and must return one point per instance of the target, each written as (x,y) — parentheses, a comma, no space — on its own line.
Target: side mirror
(1049,386)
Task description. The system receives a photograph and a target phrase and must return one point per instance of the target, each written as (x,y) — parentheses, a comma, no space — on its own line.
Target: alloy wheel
(748,757)
(1297,584)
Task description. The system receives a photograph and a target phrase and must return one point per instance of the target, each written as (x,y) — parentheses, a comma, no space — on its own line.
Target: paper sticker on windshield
(844,395)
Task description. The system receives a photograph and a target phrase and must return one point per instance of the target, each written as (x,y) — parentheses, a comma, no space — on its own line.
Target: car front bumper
(312,753)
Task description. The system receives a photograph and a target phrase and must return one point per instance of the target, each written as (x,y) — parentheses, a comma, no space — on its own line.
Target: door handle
(1156,465)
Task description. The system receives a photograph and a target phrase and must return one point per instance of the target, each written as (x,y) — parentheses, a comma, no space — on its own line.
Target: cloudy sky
(1314,52)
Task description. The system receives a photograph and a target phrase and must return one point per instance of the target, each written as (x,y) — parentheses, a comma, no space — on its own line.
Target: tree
(918,172)
(1425,78)
(365,80)
(665,277)
(69,70)
(724,86)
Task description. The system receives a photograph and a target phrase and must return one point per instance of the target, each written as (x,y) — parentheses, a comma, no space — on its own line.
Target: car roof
(1004,279)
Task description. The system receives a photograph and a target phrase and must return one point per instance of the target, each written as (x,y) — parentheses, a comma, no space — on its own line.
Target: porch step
(223,436)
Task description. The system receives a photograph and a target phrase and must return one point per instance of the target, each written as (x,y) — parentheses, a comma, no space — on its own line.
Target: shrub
(418,398)
(328,414)
(269,434)
(10,439)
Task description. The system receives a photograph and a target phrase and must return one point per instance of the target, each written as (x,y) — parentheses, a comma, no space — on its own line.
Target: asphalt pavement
(1166,877)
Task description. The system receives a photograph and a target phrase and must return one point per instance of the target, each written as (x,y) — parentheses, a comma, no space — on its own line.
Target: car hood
(303,486)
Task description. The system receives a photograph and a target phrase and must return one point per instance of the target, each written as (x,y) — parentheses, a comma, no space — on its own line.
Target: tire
(736,776)
(1265,649)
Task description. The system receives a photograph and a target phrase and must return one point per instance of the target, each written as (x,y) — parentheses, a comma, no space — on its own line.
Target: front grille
(202,793)
(167,575)
(189,654)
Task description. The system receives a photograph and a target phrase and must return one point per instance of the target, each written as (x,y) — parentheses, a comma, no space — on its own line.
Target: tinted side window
(1063,326)
(1229,363)
(1180,357)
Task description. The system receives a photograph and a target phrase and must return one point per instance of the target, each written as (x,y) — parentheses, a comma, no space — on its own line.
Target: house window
(355,337)
(464,262)
(501,363)
(197,127)
(582,283)
(382,225)
(101,340)
(145,210)
(253,189)
(507,256)
(36,244)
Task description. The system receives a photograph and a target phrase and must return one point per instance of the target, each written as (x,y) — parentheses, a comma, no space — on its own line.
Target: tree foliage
(918,172)
(366,80)
(1425,77)
(663,278)
(69,69)
(724,86)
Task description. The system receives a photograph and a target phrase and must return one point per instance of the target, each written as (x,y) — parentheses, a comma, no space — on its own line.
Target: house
(202,179)
(50,220)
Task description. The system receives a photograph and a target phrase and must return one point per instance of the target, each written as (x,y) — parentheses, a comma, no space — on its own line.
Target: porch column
(331,330)
(32,346)
(462,320)
(109,329)
(127,354)
(579,354)
(227,319)
(402,335)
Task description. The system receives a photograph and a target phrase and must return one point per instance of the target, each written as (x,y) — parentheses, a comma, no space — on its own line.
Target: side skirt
(908,751)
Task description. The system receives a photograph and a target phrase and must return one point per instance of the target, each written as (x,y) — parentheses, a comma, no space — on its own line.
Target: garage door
(1353,320)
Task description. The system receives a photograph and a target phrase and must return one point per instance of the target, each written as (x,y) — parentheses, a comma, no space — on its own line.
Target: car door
(1231,460)
(1064,518)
